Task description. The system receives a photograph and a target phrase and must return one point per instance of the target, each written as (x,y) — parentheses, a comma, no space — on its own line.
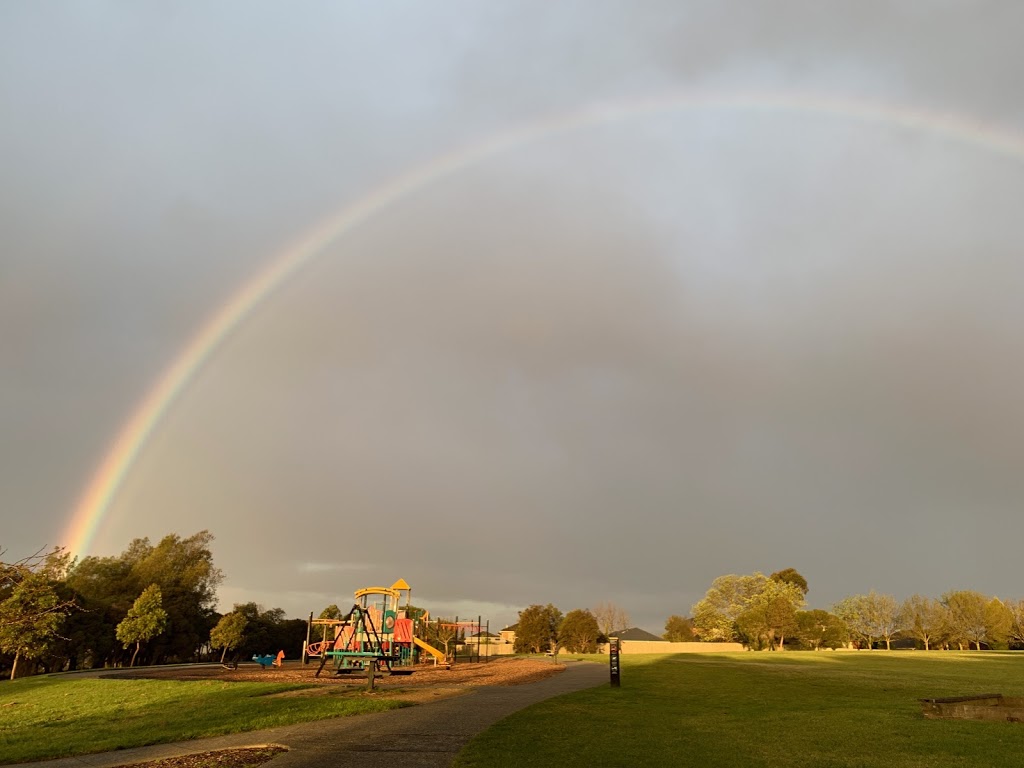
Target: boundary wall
(662,646)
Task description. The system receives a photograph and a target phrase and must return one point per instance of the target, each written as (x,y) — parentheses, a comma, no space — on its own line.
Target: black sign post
(613,660)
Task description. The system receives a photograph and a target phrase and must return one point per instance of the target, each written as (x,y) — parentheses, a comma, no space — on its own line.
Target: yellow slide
(439,657)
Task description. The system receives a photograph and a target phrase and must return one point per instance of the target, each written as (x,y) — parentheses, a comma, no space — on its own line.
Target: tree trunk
(887,644)
(14,668)
(926,643)
(137,646)
(223,654)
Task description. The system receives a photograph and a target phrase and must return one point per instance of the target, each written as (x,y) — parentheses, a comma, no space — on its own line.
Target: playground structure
(378,633)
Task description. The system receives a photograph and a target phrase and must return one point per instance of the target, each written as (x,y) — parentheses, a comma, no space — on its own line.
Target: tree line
(544,629)
(767,612)
(153,603)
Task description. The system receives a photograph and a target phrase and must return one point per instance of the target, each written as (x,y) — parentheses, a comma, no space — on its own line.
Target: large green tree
(32,605)
(816,629)
(998,623)
(229,632)
(537,631)
(106,590)
(579,632)
(968,620)
(145,620)
(188,579)
(183,568)
(715,616)
(267,631)
(770,614)
(791,576)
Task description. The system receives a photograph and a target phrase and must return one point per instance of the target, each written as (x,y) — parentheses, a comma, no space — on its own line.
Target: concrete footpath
(428,734)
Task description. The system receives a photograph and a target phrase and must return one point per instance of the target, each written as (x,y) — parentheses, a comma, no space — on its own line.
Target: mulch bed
(499,671)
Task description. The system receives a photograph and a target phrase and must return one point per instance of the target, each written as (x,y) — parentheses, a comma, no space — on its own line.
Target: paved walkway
(424,735)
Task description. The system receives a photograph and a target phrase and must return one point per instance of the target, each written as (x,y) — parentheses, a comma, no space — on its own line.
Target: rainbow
(95,501)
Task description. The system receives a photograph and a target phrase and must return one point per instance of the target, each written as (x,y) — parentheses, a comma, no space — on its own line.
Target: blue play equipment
(268,661)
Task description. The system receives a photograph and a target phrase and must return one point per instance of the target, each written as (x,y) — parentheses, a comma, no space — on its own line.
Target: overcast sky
(610,363)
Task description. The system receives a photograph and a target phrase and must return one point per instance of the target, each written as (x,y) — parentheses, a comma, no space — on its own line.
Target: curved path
(424,735)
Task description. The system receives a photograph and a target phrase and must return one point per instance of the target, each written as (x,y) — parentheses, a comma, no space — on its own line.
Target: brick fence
(656,646)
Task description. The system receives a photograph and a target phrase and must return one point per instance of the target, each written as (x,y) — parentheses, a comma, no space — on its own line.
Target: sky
(614,297)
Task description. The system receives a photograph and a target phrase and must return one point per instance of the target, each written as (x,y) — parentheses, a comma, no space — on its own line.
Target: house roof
(511,627)
(484,634)
(635,633)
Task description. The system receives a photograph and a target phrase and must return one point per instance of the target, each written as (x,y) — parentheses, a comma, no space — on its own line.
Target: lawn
(58,716)
(813,710)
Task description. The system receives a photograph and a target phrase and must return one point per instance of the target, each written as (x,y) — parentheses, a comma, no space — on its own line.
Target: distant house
(508,634)
(635,633)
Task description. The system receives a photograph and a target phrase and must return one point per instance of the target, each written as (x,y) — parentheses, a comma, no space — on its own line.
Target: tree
(818,629)
(229,632)
(610,618)
(754,609)
(854,614)
(32,608)
(968,622)
(770,614)
(998,622)
(268,631)
(106,590)
(441,633)
(714,617)
(183,569)
(537,631)
(791,576)
(1016,631)
(870,617)
(332,611)
(579,632)
(679,629)
(884,616)
(145,620)
(923,618)
(87,636)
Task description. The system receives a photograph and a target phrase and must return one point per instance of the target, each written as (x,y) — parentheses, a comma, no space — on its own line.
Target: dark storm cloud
(615,363)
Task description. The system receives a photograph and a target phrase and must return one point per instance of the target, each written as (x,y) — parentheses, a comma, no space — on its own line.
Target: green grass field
(42,718)
(814,710)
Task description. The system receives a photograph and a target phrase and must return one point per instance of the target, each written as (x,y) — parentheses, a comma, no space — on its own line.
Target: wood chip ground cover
(225,758)
(500,671)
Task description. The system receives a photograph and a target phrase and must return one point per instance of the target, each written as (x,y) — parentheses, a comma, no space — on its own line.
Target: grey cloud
(614,363)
